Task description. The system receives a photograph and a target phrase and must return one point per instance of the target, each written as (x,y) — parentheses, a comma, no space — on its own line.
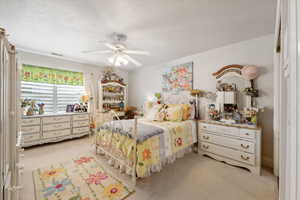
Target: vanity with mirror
(231,133)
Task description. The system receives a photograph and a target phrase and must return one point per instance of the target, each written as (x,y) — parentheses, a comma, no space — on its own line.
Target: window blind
(56,95)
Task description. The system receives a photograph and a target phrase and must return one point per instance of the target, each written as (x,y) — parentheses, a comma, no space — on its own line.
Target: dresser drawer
(81,130)
(30,137)
(247,133)
(232,131)
(220,130)
(247,146)
(229,153)
(54,134)
(228,142)
(58,126)
(207,127)
(31,121)
(81,117)
(81,123)
(30,129)
(57,119)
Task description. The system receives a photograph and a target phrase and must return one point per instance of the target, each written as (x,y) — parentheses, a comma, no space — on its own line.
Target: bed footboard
(124,162)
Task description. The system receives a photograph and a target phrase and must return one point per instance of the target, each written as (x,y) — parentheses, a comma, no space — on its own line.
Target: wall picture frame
(178,78)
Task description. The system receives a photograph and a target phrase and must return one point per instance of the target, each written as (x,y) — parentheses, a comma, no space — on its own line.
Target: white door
(289,107)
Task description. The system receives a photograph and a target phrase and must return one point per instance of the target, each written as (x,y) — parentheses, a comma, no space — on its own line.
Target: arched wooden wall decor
(236,69)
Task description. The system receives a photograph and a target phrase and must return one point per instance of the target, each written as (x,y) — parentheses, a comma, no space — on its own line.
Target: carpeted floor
(192,178)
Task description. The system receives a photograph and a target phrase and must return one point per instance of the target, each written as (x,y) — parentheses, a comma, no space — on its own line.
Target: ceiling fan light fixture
(117,60)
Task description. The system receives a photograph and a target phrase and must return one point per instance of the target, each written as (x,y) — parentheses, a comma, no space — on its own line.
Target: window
(56,97)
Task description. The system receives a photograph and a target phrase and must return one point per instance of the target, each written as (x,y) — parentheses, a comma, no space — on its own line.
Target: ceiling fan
(120,52)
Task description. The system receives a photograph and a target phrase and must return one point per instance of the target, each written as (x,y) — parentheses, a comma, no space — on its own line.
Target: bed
(142,146)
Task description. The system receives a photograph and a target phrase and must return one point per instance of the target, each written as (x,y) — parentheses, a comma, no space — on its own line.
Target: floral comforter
(151,151)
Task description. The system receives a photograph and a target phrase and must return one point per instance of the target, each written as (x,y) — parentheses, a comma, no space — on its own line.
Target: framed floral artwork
(178,78)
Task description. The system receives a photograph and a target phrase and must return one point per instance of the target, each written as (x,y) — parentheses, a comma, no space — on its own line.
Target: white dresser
(42,129)
(233,144)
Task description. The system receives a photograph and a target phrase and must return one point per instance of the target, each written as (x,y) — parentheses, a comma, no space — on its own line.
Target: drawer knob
(247,134)
(205,146)
(245,158)
(205,137)
(245,146)
(204,126)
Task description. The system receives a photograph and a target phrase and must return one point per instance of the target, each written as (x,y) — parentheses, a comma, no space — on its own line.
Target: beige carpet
(190,178)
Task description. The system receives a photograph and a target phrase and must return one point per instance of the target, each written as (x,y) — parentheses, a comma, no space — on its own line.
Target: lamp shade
(249,72)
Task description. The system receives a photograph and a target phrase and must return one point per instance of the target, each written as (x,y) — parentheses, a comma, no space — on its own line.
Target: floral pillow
(160,115)
(174,113)
(153,113)
(187,111)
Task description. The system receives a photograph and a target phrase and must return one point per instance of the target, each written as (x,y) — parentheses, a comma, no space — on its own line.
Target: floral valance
(38,74)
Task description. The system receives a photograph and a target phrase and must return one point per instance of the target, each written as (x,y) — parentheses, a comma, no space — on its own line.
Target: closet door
(6,121)
(5,126)
(2,166)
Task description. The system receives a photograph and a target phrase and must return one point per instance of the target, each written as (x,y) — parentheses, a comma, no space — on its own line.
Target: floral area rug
(80,179)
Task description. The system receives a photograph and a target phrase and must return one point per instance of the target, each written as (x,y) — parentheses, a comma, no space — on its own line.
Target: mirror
(232,104)
(238,83)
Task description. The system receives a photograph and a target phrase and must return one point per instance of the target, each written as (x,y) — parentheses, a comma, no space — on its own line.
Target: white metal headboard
(182,98)
(177,98)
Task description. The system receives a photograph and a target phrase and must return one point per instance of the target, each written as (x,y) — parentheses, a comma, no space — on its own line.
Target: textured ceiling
(168,29)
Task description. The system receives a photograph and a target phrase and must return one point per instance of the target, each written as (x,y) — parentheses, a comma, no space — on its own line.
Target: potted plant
(250,91)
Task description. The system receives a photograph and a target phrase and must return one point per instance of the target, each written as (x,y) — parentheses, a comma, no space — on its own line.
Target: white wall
(259,51)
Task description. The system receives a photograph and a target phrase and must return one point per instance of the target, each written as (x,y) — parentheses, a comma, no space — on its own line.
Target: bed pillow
(147,107)
(174,113)
(154,113)
(187,111)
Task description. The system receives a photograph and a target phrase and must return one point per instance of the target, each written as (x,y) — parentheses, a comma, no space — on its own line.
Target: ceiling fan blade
(137,52)
(110,46)
(98,51)
(113,59)
(132,60)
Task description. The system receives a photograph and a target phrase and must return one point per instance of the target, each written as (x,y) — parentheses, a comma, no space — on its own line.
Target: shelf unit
(112,95)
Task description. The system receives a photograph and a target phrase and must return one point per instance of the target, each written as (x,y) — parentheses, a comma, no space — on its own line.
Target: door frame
(287,108)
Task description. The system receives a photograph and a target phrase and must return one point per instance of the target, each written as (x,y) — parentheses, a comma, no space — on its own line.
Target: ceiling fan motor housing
(119,37)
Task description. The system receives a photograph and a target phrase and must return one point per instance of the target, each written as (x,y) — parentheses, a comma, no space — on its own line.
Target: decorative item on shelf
(226,87)
(210,96)
(237,116)
(80,107)
(84,99)
(32,109)
(110,76)
(130,112)
(121,105)
(25,103)
(250,91)
(250,115)
(29,107)
(214,114)
(70,108)
(227,116)
(249,72)
(158,97)
(41,108)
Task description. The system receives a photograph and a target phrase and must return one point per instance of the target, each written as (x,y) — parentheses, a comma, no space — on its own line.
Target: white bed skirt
(154,168)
